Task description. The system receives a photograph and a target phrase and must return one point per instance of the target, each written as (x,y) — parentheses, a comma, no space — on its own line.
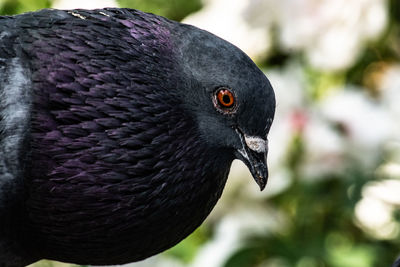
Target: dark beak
(255,160)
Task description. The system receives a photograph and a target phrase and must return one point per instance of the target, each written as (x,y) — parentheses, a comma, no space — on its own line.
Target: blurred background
(333,195)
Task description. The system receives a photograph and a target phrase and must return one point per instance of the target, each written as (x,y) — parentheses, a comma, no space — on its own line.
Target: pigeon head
(231,99)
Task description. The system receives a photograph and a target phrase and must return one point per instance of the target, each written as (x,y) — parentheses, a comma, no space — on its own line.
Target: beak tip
(262,184)
(261,180)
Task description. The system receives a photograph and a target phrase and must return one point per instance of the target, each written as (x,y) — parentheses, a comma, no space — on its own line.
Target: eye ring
(225,100)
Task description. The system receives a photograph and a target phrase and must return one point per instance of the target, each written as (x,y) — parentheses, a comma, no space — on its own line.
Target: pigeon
(117,132)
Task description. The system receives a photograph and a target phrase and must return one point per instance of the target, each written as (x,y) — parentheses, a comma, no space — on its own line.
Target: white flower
(390,88)
(365,123)
(332,33)
(324,149)
(374,212)
(289,86)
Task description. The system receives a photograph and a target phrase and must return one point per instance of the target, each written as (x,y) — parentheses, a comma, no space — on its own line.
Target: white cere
(256,144)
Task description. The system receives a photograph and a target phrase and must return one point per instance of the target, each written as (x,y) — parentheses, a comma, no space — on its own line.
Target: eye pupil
(226,99)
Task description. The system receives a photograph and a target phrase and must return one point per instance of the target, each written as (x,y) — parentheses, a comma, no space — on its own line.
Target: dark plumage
(117,132)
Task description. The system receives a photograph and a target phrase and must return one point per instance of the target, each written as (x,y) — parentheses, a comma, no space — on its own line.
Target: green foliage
(173,9)
(46,263)
(10,7)
(321,83)
(186,250)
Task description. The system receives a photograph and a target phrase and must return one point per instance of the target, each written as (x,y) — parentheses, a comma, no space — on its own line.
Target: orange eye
(225,98)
